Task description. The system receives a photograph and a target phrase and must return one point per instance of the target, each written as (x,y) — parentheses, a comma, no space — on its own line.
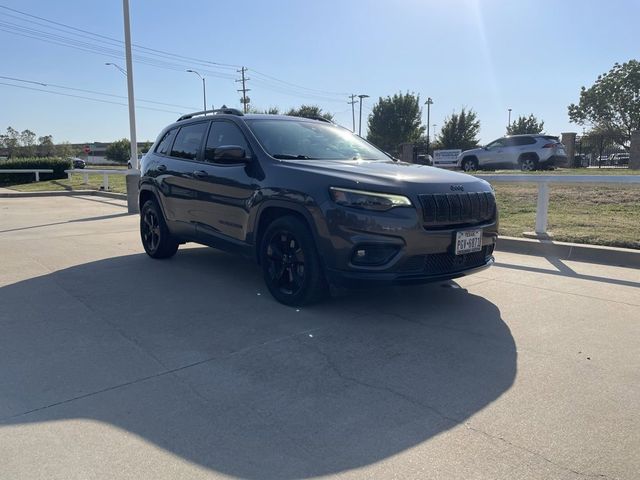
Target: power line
(161,62)
(47,84)
(85,98)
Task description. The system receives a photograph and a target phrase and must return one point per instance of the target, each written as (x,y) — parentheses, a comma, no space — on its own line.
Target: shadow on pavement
(193,355)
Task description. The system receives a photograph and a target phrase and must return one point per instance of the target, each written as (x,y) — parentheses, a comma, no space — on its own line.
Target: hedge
(58,165)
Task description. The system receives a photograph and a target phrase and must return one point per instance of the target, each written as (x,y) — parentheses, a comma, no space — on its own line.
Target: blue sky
(531,56)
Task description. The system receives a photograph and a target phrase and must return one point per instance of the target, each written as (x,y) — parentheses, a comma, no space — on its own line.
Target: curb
(623,257)
(63,193)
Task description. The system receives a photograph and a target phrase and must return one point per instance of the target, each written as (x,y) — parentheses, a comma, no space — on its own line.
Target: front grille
(448,262)
(439,263)
(444,209)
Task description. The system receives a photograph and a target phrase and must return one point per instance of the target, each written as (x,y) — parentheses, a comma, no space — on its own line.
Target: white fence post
(105,181)
(37,176)
(542,210)
(85,176)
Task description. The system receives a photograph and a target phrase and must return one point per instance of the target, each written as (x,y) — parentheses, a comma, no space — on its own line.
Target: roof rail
(217,111)
(319,118)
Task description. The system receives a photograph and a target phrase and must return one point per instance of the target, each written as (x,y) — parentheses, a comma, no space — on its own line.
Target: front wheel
(156,238)
(469,164)
(291,264)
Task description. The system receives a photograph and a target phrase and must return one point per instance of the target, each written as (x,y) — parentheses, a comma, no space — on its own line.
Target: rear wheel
(291,264)
(156,238)
(528,164)
(469,164)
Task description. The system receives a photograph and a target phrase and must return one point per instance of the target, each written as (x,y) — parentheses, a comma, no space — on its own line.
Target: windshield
(304,140)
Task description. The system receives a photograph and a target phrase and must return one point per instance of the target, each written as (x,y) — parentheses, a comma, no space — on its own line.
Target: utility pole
(133,175)
(245,100)
(509,122)
(360,120)
(428,103)
(353,110)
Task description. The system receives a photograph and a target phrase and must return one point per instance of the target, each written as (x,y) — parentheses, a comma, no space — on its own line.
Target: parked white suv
(527,152)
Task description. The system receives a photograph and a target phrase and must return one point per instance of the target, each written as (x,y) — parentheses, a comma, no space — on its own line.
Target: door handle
(200,174)
(162,168)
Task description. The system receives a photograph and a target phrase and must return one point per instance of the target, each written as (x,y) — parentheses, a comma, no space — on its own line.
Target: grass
(600,215)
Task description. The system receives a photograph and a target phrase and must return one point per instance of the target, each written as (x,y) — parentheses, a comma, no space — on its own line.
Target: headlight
(368,200)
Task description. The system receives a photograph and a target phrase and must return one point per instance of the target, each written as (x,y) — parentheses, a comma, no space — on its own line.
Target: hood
(472,151)
(387,174)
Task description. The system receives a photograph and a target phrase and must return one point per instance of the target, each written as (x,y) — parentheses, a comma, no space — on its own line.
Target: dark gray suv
(313,203)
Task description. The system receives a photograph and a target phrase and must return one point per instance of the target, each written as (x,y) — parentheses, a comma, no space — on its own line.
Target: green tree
(145,146)
(28,141)
(11,141)
(524,125)
(65,149)
(612,103)
(46,148)
(267,111)
(308,111)
(119,151)
(460,131)
(394,121)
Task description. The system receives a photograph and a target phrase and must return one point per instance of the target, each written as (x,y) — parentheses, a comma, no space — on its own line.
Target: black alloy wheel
(291,264)
(156,238)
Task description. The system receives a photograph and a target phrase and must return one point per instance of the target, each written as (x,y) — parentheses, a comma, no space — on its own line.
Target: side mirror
(230,153)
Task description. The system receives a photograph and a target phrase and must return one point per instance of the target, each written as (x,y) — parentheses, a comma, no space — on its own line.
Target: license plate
(468,241)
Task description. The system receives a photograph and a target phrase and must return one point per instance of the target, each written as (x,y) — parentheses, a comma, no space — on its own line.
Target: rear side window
(188,141)
(224,134)
(520,141)
(165,143)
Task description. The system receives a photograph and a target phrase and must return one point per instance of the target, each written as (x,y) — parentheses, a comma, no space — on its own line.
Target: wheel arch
(272,210)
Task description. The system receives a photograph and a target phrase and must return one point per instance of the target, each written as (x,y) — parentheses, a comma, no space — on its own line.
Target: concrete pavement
(113,365)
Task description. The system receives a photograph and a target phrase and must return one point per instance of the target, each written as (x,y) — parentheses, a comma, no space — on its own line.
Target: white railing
(37,171)
(543,182)
(90,171)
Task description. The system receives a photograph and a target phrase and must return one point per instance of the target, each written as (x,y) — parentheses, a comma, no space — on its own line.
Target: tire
(469,164)
(528,163)
(156,238)
(290,263)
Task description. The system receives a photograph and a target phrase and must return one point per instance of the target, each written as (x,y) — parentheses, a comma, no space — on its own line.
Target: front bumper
(421,254)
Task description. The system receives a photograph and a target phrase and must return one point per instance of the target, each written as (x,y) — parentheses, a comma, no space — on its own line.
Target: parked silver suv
(527,152)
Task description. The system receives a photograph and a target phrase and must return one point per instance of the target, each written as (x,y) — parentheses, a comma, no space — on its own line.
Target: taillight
(551,145)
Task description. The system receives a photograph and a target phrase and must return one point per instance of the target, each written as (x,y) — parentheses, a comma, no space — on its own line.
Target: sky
(488,55)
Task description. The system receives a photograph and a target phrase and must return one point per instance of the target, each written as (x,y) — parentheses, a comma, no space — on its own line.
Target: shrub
(58,165)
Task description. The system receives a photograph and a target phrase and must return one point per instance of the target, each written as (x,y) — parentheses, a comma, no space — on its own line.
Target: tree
(65,149)
(145,146)
(28,141)
(308,111)
(524,125)
(612,103)
(119,151)
(394,121)
(460,131)
(46,148)
(11,141)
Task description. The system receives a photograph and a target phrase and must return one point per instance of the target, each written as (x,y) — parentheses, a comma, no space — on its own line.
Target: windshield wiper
(286,156)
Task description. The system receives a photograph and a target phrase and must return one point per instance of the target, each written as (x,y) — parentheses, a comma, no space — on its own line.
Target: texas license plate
(468,241)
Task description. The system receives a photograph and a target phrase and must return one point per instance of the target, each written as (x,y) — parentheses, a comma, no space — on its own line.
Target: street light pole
(204,89)
(428,103)
(133,175)
(353,111)
(360,120)
(509,122)
(122,70)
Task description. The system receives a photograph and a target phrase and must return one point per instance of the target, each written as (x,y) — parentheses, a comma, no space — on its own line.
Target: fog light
(371,255)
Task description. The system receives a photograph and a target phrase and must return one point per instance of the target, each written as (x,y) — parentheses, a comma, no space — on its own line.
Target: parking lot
(113,365)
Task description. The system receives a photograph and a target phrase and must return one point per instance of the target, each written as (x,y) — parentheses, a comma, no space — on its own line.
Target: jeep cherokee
(312,203)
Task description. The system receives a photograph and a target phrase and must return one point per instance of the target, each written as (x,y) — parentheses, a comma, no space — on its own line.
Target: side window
(188,141)
(224,134)
(165,143)
(496,143)
(521,141)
